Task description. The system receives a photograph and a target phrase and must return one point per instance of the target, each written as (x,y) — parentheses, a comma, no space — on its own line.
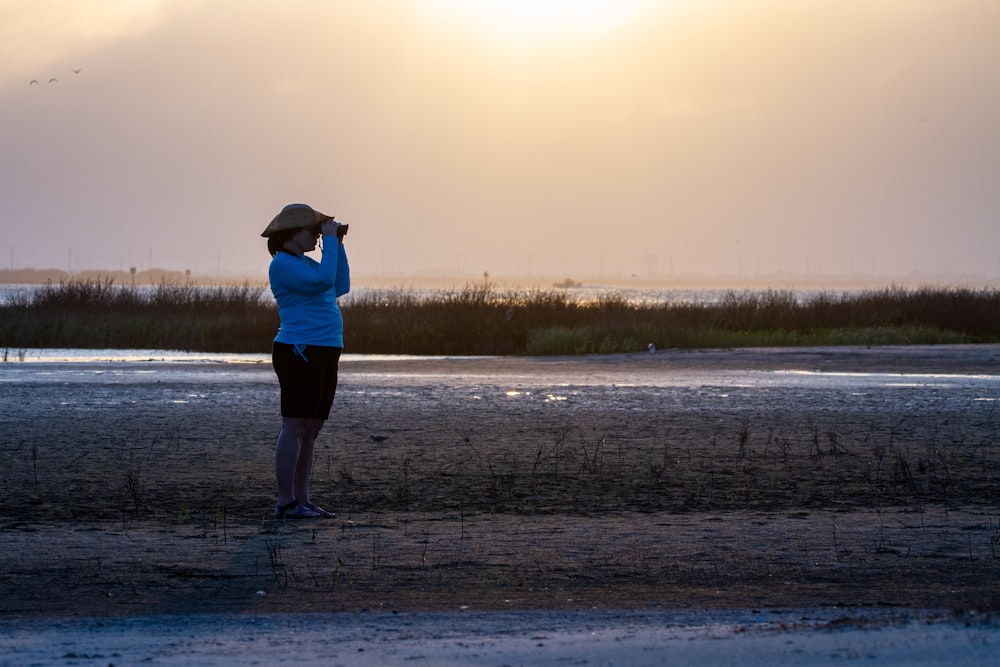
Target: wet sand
(758,638)
(849,478)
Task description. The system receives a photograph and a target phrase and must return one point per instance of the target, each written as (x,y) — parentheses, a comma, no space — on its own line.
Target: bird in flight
(77,71)
(33,82)
(53,80)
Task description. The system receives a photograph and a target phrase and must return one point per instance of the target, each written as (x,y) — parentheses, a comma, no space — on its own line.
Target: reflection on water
(80,356)
(55,355)
(552,381)
(898,375)
(123,366)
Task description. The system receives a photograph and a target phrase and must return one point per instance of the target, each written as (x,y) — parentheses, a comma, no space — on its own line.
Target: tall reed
(483,319)
(99,314)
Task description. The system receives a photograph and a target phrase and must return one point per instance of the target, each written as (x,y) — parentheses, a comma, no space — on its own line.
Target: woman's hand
(330,227)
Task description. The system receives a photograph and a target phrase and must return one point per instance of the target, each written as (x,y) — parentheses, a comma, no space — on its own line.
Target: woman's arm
(342,283)
(302,274)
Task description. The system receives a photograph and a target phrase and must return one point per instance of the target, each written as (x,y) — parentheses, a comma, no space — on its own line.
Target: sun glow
(544,19)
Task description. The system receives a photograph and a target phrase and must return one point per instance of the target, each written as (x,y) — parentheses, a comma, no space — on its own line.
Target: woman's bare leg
(287,451)
(304,464)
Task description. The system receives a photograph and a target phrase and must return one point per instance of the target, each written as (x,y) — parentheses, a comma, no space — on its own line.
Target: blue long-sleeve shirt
(307,291)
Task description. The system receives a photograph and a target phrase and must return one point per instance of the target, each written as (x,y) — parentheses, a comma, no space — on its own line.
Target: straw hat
(295,216)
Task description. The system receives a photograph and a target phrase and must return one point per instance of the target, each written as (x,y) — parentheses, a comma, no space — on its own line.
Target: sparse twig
(34,463)
(134,488)
(277,562)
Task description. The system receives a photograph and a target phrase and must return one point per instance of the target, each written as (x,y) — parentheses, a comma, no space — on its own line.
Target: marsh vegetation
(484,319)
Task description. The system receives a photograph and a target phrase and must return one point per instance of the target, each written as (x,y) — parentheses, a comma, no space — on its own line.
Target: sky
(583,138)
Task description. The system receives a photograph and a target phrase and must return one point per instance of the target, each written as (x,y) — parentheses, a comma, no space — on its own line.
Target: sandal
(294,510)
(320,511)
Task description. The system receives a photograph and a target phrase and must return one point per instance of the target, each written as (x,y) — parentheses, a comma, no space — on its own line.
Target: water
(65,355)
(729,373)
(153,357)
(11,292)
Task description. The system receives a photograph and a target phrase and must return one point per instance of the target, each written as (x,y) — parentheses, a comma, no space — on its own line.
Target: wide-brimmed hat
(295,216)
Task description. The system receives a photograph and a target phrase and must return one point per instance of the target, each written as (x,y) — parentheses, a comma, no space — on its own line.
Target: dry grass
(481,319)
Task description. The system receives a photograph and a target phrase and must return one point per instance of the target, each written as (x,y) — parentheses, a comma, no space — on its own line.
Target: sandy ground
(548,638)
(515,507)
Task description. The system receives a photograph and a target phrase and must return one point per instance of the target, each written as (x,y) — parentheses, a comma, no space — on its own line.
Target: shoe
(320,511)
(294,510)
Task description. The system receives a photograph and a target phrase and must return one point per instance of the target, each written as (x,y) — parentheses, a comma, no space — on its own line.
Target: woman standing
(306,351)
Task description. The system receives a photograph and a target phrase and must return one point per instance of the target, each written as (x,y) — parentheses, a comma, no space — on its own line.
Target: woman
(306,351)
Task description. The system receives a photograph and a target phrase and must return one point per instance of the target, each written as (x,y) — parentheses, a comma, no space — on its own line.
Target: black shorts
(308,384)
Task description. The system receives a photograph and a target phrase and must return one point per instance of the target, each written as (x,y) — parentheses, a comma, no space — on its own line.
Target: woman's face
(305,239)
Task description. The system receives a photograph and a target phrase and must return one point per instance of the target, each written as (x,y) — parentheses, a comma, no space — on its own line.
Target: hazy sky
(582,137)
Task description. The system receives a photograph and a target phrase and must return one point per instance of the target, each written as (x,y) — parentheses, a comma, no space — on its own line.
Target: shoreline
(952,358)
